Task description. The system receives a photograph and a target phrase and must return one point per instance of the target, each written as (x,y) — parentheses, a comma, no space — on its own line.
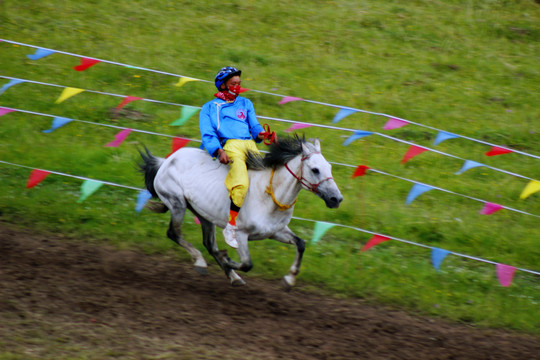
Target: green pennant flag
(186,113)
(319,230)
(88,187)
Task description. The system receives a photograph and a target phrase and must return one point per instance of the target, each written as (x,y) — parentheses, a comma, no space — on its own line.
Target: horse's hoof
(238,282)
(201,270)
(285,285)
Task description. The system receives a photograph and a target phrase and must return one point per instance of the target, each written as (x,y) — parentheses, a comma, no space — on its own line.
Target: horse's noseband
(311,187)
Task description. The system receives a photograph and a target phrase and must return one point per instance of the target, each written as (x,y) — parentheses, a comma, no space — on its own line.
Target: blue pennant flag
(10,84)
(417,190)
(343,113)
(142,198)
(469,164)
(443,135)
(437,257)
(357,135)
(40,53)
(57,123)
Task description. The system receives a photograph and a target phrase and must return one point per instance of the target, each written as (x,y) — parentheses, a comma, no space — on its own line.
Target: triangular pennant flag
(469,164)
(394,123)
(177,143)
(443,135)
(185,114)
(57,123)
(89,187)
(197,221)
(412,152)
(360,171)
(142,199)
(67,93)
(4,111)
(437,257)
(40,53)
(297,126)
(417,190)
(530,189)
(505,274)
(288,99)
(127,100)
(36,176)
(184,80)
(10,84)
(119,138)
(489,208)
(242,90)
(375,240)
(85,64)
(343,113)
(356,135)
(319,229)
(495,150)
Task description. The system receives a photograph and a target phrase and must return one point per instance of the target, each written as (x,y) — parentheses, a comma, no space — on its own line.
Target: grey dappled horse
(190,179)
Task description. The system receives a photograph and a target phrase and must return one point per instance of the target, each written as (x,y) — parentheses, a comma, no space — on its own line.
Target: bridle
(309,186)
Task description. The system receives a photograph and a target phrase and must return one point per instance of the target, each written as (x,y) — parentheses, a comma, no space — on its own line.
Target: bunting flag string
(258,91)
(505,273)
(357,134)
(359,170)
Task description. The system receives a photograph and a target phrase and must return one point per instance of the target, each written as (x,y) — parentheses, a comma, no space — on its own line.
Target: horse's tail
(149,167)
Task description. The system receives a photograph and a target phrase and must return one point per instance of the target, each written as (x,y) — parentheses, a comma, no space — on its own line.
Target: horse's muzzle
(333,201)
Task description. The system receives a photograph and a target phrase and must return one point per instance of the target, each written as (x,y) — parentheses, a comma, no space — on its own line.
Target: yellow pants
(237,180)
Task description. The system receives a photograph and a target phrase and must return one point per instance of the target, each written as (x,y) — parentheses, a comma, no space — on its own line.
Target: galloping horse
(189,179)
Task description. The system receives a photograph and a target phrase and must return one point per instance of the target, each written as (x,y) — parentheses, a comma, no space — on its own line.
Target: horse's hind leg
(178,210)
(209,240)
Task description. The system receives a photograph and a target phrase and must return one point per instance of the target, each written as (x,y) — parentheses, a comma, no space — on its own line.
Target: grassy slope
(468,67)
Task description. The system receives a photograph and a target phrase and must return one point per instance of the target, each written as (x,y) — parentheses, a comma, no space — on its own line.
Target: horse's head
(317,175)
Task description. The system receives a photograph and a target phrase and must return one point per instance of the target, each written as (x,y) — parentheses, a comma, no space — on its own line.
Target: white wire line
(334,163)
(296,122)
(294,217)
(280,95)
(413,243)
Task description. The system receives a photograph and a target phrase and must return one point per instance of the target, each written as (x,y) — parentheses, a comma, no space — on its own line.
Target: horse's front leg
(243,251)
(288,237)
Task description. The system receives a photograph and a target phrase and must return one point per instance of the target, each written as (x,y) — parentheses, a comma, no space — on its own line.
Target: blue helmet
(225,74)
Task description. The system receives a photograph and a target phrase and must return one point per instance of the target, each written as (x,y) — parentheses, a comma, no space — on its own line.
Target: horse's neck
(286,186)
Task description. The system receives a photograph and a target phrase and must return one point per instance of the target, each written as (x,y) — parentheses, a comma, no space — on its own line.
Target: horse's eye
(315,171)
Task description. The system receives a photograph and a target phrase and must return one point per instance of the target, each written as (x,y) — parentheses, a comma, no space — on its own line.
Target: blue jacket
(220,121)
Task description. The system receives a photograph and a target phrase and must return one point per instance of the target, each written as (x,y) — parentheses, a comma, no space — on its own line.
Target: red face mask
(235,90)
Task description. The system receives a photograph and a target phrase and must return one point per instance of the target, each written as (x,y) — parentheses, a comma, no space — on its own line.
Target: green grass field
(465,67)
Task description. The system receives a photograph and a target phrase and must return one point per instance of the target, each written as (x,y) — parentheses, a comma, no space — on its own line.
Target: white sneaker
(230,236)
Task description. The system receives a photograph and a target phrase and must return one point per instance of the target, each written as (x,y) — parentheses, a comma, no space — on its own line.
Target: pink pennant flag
(412,152)
(495,150)
(127,100)
(360,171)
(119,138)
(85,64)
(297,126)
(375,240)
(177,143)
(505,274)
(4,111)
(287,99)
(36,176)
(197,221)
(489,208)
(394,123)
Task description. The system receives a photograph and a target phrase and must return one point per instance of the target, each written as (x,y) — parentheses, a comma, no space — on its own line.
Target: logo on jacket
(241,114)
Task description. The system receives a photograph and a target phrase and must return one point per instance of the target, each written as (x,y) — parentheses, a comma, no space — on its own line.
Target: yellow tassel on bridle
(270,191)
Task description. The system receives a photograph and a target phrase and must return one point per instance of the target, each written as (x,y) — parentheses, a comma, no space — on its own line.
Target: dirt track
(61,298)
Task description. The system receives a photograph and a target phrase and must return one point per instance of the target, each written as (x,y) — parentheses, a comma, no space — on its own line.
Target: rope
(270,191)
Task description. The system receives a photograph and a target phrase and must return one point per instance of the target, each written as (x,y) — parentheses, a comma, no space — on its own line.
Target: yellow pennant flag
(530,189)
(67,93)
(184,80)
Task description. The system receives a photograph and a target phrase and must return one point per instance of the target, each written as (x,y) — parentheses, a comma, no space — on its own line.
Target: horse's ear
(317,144)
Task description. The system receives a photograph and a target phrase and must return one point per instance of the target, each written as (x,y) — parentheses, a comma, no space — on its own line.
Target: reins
(270,191)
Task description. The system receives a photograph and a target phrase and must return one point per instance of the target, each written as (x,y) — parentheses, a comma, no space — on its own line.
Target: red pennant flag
(178,143)
(127,100)
(412,152)
(85,64)
(243,90)
(495,150)
(36,176)
(360,171)
(376,239)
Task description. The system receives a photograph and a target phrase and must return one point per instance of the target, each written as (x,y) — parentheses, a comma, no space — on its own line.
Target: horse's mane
(280,152)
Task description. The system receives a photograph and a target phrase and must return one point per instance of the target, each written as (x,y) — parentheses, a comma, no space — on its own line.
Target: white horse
(190,179)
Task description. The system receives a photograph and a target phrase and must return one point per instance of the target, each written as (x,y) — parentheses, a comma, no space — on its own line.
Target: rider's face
(235,80)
